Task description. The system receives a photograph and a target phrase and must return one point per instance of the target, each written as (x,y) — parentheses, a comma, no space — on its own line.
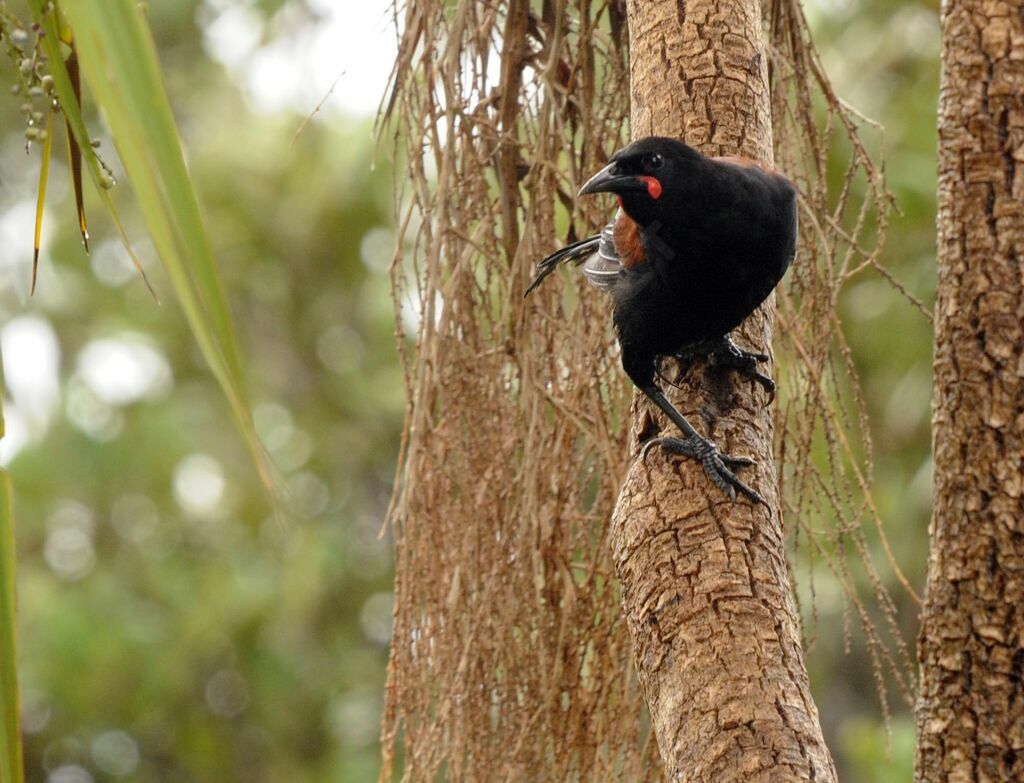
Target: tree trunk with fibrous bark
(704,581)
(970,714)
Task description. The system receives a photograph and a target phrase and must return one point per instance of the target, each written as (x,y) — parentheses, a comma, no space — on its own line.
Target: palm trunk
(971,709)
(704,583)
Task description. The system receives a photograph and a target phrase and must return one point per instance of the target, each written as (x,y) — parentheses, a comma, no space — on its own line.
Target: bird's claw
(718,467)
(765,382)
(730,355)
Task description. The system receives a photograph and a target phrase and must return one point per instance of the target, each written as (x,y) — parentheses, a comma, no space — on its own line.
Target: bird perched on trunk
(698,243)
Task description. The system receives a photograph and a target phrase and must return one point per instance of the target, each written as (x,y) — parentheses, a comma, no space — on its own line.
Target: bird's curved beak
(609,180)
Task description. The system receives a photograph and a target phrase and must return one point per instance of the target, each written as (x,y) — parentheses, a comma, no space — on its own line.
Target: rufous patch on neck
(626,236)
(653,186)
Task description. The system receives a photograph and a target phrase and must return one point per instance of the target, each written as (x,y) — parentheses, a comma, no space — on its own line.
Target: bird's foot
(727,354)
(719,467)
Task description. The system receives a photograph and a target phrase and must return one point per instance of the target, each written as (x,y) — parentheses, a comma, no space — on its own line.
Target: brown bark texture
(705,589)
(970,713)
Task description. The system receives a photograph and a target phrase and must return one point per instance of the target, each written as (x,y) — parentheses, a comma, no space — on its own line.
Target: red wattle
(653,186)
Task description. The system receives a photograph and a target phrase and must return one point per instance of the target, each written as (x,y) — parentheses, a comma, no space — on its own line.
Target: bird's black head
(649,176)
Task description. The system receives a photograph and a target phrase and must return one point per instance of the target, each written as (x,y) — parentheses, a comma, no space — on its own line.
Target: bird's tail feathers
(577,253)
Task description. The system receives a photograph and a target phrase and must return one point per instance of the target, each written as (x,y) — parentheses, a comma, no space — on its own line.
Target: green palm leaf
(114,49)
(10,741)
(10,709)
(118,60)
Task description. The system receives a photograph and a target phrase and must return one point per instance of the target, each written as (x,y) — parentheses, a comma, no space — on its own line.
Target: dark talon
(716,466)
(766,383)
(725,353)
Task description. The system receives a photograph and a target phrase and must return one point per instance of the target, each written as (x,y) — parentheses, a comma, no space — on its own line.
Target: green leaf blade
(119,63)
(11,762)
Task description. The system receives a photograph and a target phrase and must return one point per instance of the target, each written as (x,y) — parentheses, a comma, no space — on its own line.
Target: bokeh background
(171,629)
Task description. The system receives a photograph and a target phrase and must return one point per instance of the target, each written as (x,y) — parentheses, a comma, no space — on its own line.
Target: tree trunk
(971,709)
(704,582)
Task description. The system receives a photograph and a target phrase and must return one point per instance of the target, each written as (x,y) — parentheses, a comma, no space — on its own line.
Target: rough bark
(704,582)
(971,709)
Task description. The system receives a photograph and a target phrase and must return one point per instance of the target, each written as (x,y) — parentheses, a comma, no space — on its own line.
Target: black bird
(698,243)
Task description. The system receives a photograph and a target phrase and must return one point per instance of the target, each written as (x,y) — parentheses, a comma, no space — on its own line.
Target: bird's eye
(654,161)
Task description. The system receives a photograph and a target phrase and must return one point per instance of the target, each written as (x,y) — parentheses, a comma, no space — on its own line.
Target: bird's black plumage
(697,245)
(600,259)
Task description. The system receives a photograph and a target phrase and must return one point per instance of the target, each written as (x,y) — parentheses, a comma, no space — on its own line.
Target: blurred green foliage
(170,629)
(883,58)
